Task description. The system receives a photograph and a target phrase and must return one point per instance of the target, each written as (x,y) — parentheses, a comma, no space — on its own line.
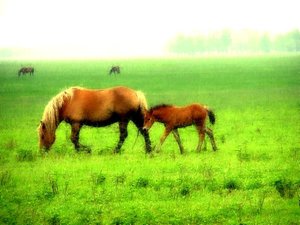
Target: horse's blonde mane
(51,112)
(142,100)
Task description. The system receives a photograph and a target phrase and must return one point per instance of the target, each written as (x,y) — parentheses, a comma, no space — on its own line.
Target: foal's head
(46,137)
(148,120)
(156,113)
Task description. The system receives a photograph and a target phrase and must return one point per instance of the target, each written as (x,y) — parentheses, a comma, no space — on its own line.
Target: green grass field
(252,179)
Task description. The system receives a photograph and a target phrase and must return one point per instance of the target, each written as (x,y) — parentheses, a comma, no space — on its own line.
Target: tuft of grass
(98,178)
(185,190)
(243,155)
(50,188)
(231,185)
(120,179)
(10,144)
(5,177)
(25,155)
(286,188)
(142,182)
(54,220)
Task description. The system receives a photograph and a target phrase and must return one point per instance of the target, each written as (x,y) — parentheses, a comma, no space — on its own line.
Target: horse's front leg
(163,138)
(210,134)
(75,137)
(177,138)
(123,135)
(139,122)
(145,134)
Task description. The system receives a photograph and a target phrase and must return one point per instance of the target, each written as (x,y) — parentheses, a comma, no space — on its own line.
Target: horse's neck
(53,123)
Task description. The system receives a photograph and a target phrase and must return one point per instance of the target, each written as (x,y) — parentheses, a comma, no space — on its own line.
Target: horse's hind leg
(177,138)
(210,134)
(201,132)
(123,135)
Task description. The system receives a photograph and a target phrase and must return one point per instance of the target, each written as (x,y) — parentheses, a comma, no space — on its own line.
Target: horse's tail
(142,101)
(211,116)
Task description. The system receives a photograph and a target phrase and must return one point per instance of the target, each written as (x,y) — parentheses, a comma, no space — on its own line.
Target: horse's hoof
(117,151)
(150,154)
(83,148)
(149,150)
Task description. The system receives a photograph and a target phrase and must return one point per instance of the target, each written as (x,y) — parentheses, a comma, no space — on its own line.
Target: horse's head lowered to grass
(51,118)
(47,138)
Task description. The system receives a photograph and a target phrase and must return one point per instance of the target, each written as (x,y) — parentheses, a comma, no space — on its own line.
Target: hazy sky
(132,27)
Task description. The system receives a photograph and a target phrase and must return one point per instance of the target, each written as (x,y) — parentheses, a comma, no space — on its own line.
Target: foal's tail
(142,101)
(211,115)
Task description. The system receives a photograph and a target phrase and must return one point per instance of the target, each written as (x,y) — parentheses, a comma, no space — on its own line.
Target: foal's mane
(160,106)
(51,112)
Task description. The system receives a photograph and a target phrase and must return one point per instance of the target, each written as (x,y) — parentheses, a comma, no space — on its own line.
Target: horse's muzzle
(44,149)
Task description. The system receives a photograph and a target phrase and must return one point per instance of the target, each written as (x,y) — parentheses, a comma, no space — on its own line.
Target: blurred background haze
(135,28)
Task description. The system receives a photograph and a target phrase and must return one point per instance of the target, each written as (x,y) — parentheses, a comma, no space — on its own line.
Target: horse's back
(198,111)
(198,107)
(124,95)
(100,105)
(190,114)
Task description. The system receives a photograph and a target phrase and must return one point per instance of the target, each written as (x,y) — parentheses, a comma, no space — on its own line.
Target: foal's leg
(123,135)
(210,134)
(163,138)
(177,138)
(201,132)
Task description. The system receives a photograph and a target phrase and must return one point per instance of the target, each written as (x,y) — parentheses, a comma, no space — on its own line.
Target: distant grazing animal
(25,70)
(79,106)
(114,70)
(174,117)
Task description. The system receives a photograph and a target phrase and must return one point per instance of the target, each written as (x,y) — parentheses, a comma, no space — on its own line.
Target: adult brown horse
(79,106)
(174,117)
(25,70)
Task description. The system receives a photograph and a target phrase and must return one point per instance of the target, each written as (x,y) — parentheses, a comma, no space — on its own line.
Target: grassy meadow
(253,178)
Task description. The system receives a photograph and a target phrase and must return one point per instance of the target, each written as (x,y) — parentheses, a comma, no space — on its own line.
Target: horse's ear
(43,125)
